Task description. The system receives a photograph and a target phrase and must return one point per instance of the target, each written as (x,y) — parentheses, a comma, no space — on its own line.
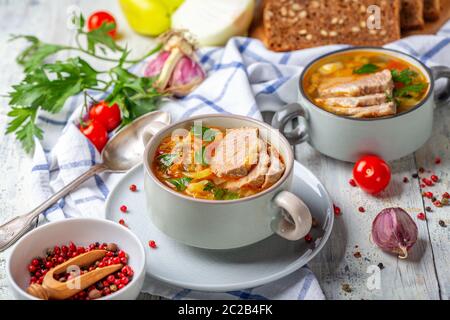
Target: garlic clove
(393,230)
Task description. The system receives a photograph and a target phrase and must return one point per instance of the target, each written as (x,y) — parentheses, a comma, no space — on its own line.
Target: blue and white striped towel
(243,78)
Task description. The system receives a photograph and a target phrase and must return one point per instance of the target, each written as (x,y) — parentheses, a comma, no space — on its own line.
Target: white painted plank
(439,146)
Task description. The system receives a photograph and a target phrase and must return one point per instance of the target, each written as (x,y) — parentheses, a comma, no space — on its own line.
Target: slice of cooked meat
(236,153)
(379,82)
(276,168)
(257,175)
(380,110)
(354,102)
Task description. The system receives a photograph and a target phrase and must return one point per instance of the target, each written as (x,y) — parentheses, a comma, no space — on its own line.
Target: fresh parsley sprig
(48,85)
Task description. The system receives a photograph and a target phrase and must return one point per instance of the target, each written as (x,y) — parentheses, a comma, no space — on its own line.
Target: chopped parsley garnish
(407,90)
(199,156)
(166,160)
(220,193)
(204,133)
(180,183)
(367,68)
(405,76)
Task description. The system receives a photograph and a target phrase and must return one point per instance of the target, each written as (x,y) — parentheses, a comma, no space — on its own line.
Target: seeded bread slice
(296,24)
(411,16)
(431,10)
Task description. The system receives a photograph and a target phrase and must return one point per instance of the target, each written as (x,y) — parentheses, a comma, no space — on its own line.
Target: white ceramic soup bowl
(348,139)
(82,231)
(225,224)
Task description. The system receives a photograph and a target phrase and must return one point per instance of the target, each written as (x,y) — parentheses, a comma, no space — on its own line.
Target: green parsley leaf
(24,126)
(180,183)
(36,53)
(367,68)
(209,186)
(100,37)
(199,156)
(166,160)
(405,76)
(407,90)
(224,194)
(50,93)
(204,133)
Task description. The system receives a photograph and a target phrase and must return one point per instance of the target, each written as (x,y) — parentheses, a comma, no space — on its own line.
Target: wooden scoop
(54,289)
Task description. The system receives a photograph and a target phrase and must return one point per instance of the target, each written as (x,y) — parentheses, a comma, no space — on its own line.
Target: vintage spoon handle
(12,230)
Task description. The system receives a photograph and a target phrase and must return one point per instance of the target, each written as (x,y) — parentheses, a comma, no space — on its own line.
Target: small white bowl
(82,231)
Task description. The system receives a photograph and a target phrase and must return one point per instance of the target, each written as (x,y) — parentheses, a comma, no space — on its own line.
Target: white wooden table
(425,275)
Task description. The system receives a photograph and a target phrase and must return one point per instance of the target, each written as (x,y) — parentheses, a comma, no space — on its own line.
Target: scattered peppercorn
(437,160)
(352,182)
(434,178)
(415,175)
(123,208)
(361,209)
(357,254)
(308,238)
(381,266)
(442,224)
(152,244)
(421,170)
(133,188)
(433,199)
(337,210)
(421,216)
(405,180)
(437,203)
(346,287)
(428,209)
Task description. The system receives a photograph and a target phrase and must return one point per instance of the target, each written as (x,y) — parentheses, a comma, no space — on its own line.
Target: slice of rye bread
(411,15)
(297,24)
(431,10)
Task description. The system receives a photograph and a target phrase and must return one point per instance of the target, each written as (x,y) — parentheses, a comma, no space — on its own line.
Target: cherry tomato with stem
(372,174)
(108,116)
(96,19)
(96,133)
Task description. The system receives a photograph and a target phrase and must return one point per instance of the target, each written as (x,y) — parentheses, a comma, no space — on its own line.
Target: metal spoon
(123,151)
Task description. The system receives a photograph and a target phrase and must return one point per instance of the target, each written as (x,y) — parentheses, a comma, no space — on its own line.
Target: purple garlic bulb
(176,69)
(155,66)
(393,230)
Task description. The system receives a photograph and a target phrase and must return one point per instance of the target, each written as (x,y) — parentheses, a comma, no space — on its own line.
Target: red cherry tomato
(98,18)
(96,133)
(372,174)
(108,116)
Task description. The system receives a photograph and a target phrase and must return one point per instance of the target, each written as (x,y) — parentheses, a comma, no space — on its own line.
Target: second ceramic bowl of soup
(225,224)
(347,138)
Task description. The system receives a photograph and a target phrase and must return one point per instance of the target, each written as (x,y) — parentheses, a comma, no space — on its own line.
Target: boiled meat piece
(354,102)
(381,110)
(276,168)
(236,153)
(380,82)
(257,176)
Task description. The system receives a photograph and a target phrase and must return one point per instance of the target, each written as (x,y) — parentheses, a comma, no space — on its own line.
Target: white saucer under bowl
(222,270)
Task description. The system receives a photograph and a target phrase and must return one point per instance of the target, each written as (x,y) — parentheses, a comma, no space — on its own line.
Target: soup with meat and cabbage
(217,164)
(364,84)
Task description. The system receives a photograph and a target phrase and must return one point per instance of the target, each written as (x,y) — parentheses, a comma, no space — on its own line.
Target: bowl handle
(289,112)
(442,98)
(295,220)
